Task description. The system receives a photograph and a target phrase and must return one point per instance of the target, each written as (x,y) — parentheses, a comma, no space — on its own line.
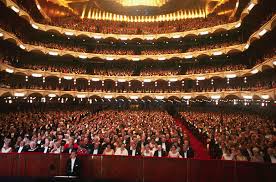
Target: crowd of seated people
(211,69)
(116,27)
(152,71)
(202,47)
(114,72)
(160,51)
(63,47)
(234,136)
(123,133)
(114,50)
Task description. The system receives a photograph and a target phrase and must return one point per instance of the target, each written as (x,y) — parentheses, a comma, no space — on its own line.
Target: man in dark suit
(96,149)
(187,151)
(165,144)
(133,150)
(73,167)
(21,148)
(159,152)
(45,148)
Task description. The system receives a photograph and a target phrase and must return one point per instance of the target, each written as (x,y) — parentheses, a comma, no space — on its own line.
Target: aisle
(200,150)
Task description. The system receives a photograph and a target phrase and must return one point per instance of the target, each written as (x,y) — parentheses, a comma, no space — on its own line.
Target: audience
(126,132)
(116,27)
(234,136)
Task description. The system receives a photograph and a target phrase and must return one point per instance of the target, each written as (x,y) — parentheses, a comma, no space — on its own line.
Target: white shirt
(123,152)
(185,155)
(159,153)
(164,146)
(72,164)
(20,149)
(45,150)
(95,151)
(133,152)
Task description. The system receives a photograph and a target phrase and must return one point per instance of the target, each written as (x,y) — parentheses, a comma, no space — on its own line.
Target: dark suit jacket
(42,149)
(137,152)
(68,149)
(76,169)
(163,153)
(168,145)
(25,149)
(190,153)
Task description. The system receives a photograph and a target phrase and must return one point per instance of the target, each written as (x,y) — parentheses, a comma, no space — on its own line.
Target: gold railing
(261,94)
(270,63)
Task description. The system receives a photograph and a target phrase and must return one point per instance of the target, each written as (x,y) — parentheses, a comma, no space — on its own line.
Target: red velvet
(137,168)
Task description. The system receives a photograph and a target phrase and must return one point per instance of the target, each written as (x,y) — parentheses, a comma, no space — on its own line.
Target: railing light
(15,9)
(187,97)
(254,71)
(22,46)
(250,6)
(53,53)
(108,96)
(34,26)
(8,70)
(18,94)
(52,95)
(37,75)
(262,32)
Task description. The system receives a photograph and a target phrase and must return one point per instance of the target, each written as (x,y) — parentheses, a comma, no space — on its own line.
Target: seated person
(159,152)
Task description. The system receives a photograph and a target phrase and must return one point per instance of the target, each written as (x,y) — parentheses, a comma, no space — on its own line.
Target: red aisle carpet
(200,150)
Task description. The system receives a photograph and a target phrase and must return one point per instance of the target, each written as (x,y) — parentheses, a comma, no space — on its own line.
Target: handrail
(268,93)
(271,62)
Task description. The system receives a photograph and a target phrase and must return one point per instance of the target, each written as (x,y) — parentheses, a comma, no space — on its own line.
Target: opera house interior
(138,90)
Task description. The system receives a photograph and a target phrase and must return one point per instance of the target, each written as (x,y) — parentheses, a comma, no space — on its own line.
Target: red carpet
(200,150)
